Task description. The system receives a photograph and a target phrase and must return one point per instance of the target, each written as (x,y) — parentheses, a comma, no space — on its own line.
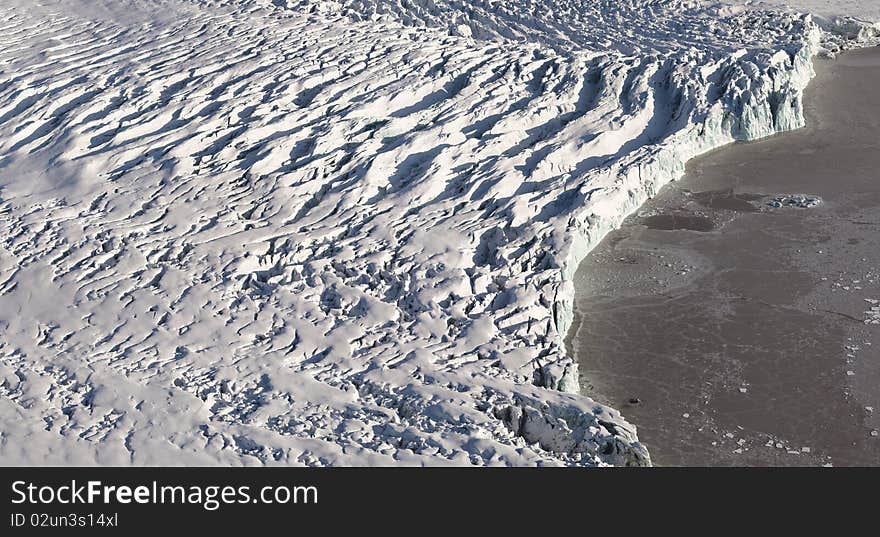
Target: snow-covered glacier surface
(865,10)
(341,232)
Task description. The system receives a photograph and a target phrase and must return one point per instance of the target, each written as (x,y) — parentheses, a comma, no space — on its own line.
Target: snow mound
(325,233)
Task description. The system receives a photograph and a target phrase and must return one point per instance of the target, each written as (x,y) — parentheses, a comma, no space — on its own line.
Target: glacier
(305,232)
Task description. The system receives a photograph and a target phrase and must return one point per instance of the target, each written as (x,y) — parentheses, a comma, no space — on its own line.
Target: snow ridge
(323,233)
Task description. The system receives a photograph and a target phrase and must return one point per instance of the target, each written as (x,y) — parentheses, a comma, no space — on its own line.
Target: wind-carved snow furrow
(267,233)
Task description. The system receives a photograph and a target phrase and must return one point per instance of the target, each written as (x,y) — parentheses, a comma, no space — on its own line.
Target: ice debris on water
(872,315)
(801,201)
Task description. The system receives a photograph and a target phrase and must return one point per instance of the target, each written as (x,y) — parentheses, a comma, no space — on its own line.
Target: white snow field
(865,10)
(341,233)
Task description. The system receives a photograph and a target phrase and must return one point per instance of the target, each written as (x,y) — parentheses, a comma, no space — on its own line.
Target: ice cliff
(341,232)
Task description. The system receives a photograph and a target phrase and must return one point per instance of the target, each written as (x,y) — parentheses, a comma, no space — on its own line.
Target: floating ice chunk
(872,315)
(801,201)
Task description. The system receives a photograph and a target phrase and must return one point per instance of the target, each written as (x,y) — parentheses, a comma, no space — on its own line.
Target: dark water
(732,332)
(674,221)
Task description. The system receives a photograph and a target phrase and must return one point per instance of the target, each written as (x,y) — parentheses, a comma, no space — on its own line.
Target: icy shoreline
(646,174)
(757,120)
(284,234)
